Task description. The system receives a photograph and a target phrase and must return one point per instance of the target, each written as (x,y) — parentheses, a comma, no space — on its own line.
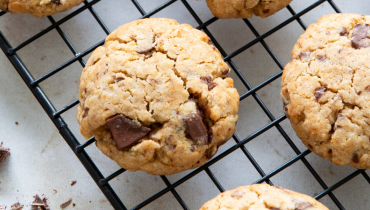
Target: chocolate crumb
(73,182)
(4,153)
(359,92)
(319,92)
(86,111)
(65,204)
(355,158)
(343,32)
(55,191)
(330,151)
(16,206)
(37,201)
(16,123)
(119,79)
(89,201)
(73,204)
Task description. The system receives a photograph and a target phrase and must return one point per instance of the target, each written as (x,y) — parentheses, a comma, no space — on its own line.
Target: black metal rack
(79,149)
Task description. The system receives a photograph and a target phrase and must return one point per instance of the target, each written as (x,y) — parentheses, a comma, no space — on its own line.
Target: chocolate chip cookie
(245,8)
(157,97)
(326,89)
(38,8)
(263,197)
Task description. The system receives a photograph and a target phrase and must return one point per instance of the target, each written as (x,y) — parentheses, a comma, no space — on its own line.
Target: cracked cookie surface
(262,197)
(326,89)
(165,80)
(38,8)
(245,8)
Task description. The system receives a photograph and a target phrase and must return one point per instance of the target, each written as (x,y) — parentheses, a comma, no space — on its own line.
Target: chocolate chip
(4,153)
(65,204)
(359,92)
(266,11)
(125,131)
(237,194)
(196,129)
(355,158)
(16,206)
(330,151)
(86,111)
(320,57)
(209,82)
(319,92)
(360,38)
(343,32)
(119,79)
(57,2)
(367,88)
(303,206)
(226,71)
(304,55)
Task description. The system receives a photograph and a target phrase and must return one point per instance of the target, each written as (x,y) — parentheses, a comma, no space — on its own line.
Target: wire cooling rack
(103,182)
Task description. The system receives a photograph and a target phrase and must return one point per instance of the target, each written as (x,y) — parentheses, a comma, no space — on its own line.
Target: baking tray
(250,90)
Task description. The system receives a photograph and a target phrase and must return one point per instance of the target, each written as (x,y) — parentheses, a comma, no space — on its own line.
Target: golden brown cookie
(326,89)
(157,97)
(245,8)
(38,8)
(262,197)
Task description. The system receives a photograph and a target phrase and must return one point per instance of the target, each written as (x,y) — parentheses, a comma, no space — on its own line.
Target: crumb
(2,207)
(4,153)
(16,206)
(39,204)
(74,205)
(89,201)
(16,123)
(55,191)
(73,182)
(65,204)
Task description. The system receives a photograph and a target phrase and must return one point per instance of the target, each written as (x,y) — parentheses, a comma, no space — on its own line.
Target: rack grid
(93,170)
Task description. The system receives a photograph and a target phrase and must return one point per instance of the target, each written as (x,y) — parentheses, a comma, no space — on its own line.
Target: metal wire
(79,149)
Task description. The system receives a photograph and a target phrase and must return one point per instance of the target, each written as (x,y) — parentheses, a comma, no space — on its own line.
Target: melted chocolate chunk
(304,55)
(320,57)
(343,32)
(86,111)
(4,153)
(355,158)
(226,71)
(209,82)
(125,131)
(360,36)
(57,2)
(196,129)
(119,79)
(303,206)
(319,92)
(237,194)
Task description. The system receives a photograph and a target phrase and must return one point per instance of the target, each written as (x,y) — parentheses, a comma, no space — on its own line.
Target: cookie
(245,8)
(262,197)
(38,8)
(326,89)
(157,97)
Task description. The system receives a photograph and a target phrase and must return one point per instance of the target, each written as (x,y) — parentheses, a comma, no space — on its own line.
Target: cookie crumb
(65,204)
(16,123)
(2,207)
(55,191)
(73,182)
